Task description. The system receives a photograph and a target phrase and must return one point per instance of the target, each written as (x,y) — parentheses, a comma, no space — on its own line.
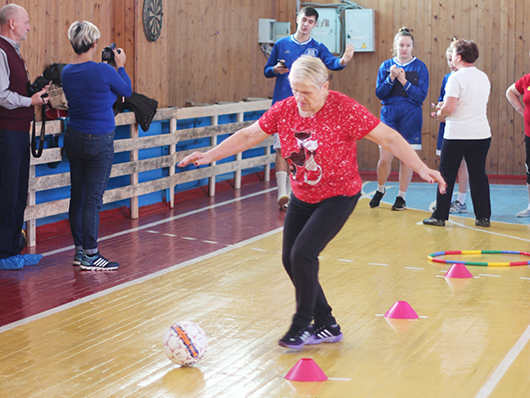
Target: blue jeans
(307,229)
(14,176)
(90,157)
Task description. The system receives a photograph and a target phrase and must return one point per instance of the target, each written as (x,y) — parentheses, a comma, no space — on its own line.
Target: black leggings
(527,162)
(308,228)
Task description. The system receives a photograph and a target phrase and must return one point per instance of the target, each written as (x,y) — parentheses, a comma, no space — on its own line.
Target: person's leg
(450,159)
(282,175)
(97,172)
(476,154)
(74,152)
(307,231)
(526,212)
(384,166)
(308,228)
(459,205)
(14,175)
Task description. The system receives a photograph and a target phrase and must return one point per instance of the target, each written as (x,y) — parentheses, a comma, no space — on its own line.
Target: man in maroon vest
(16,114)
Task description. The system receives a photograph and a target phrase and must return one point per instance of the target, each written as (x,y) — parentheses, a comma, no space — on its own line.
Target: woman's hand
(394,72)
(119,57)
(197,158)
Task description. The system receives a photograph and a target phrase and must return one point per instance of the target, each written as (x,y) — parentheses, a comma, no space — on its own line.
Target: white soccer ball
(185,343)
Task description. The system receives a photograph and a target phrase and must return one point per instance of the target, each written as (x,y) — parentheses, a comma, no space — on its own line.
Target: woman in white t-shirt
(467,134)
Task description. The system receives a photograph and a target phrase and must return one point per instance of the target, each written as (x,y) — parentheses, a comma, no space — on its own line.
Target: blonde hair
(404,31)
(449,50)
(310,70)
(82,36)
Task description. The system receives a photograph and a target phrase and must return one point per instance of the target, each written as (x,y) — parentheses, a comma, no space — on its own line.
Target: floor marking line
(103,293)
(503,367)
(166,220)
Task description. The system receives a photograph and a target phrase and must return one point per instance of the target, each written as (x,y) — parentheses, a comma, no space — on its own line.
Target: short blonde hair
(310,70)
(82,36)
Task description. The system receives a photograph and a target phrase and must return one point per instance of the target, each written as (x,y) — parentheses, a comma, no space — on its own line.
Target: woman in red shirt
(518,91)
(318,129)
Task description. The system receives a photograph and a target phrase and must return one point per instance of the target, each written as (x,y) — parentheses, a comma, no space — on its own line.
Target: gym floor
(217,262)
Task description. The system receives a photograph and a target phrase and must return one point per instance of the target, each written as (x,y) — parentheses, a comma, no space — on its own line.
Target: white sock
(402,194)
(281,181)
(462,197)
(381,188)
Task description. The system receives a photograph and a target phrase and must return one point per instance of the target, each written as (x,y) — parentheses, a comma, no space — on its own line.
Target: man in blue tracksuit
(284,53)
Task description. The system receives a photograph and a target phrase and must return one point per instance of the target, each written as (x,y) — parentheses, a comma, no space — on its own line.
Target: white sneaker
(524,213)
(283,201)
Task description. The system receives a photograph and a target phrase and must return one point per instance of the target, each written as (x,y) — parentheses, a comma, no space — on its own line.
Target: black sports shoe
(482,222)
(376,200)
(325,334)
(296,337)
(97,262)
(434,221)
(399,204)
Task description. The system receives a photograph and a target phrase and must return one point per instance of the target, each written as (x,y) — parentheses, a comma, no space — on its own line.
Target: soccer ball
(185,343)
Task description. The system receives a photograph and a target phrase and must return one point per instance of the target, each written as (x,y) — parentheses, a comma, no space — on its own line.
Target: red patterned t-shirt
(523,86)
(322,149)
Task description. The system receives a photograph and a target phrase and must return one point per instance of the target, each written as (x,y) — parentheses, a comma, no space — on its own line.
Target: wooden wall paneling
(489,65)
(506,56)
(437,70)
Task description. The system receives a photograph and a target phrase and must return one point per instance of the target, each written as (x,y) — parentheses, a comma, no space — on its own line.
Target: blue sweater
(91,89)
(413,93)
(290,50)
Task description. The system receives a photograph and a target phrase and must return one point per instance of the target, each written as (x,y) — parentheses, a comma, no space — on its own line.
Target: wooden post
(172,151)
(133,157)
(213,142)
(239,156)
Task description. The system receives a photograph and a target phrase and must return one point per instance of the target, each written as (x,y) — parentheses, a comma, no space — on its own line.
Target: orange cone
(306,370)
(458,271)
(401,310)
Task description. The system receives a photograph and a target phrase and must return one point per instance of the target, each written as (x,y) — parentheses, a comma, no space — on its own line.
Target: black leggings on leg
(308,228)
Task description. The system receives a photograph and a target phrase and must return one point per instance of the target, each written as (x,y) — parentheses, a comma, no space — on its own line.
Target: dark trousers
(90,157)
(475,153)
(308,228)
(527,161)
(14,176)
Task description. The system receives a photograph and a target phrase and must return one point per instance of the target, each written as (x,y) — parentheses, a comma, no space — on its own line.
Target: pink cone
(458,271)
(401,310)
(306,370)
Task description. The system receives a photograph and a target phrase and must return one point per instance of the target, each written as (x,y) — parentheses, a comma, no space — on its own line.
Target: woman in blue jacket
(91,89)
(402,85)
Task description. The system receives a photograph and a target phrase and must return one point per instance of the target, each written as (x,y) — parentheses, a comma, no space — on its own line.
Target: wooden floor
(66,333)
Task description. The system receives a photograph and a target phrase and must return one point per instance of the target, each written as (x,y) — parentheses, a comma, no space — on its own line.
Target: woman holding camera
(91,89)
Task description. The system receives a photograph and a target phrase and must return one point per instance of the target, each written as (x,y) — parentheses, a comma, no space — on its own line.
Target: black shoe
(434,221)
(376,200)
(399,204)
(482,222)
(325,334)
(97,262)
(296,337)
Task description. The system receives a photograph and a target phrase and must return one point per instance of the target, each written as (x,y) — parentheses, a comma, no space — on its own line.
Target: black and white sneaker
(399,204)
(376,200)
(325,334)
(97,262)
(296,337)
(78,257)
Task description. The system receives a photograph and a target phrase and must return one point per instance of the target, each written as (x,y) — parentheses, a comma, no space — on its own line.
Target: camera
(107,55)
(51,74)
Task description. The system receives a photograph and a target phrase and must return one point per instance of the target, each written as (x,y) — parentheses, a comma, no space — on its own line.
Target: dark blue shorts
(406,119)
